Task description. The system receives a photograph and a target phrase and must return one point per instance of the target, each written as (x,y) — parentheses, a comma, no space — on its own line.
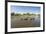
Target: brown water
(18,23)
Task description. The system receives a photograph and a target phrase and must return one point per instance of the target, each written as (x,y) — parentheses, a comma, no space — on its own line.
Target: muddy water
(18,23)
(36,22)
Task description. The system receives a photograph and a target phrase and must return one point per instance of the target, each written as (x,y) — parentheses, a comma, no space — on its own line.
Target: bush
(24,14)
(12,14)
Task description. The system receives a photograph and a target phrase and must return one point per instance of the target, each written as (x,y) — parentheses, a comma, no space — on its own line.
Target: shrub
(12,14)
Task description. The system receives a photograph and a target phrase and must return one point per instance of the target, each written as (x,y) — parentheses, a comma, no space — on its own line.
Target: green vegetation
(13,14)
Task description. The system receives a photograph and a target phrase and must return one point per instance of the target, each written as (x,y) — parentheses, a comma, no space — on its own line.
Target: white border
(9,29)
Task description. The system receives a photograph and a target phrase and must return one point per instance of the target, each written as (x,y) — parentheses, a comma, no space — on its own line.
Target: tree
(28,13)
(24,14)
(17,14)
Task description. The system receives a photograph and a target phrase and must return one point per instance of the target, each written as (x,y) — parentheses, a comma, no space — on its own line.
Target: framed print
(24,16)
